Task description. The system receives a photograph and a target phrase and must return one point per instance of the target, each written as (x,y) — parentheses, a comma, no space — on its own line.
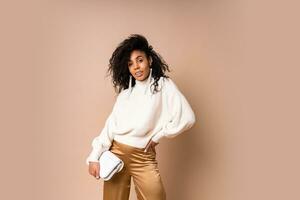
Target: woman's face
(139,65)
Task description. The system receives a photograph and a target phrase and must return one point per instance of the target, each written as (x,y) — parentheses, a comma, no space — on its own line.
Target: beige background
(235,61)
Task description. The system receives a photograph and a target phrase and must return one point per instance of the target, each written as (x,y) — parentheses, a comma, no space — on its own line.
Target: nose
(136,66)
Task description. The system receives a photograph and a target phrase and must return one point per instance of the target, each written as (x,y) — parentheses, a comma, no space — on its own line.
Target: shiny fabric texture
(142,167)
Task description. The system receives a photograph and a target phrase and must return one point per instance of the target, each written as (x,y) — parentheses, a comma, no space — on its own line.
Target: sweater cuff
(93,157)
(158,136)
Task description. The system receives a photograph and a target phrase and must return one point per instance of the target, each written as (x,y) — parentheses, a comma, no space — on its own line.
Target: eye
(141,60)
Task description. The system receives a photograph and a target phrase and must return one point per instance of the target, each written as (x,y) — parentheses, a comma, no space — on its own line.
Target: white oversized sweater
(138,116)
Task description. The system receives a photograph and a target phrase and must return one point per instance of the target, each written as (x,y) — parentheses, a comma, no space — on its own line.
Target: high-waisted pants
(142,167)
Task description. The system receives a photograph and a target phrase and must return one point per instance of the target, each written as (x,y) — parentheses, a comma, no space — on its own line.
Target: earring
(129,86)
(130,82)
(149,80)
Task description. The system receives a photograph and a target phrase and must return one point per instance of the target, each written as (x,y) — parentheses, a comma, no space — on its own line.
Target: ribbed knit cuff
(93,157)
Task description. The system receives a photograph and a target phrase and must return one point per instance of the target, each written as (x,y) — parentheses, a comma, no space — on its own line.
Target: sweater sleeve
(103,141)
(180,114)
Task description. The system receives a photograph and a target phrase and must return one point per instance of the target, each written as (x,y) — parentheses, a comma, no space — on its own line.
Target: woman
(148,107)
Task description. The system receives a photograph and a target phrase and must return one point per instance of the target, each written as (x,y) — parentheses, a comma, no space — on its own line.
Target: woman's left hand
(151,144)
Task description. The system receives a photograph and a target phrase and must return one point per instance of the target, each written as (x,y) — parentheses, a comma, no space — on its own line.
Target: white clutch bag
(109,165)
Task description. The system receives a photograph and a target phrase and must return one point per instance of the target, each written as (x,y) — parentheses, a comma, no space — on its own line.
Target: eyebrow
(136,57)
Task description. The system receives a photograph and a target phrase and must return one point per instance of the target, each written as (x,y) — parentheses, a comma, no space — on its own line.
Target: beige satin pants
(142,167)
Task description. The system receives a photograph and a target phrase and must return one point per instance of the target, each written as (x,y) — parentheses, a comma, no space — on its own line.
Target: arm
(181,116)
(103,141)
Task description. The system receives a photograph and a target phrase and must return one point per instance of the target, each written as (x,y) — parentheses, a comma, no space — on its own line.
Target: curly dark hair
(118,63)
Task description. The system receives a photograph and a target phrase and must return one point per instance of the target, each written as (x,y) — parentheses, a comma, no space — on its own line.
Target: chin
(140,78)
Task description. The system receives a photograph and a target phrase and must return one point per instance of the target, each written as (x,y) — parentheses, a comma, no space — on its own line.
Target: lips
(139,73)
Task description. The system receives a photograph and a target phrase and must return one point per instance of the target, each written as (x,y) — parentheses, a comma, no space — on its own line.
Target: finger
(97,173)
(154,149)
(90,172)
(97,176)
(93,173)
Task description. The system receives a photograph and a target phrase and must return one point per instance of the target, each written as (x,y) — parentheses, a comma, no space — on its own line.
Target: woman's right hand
(94,169)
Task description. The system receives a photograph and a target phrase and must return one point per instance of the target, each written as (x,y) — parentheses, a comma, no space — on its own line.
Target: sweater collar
(142,83)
